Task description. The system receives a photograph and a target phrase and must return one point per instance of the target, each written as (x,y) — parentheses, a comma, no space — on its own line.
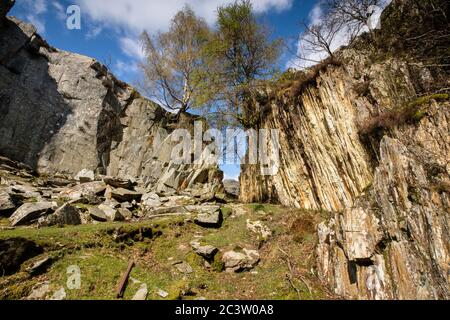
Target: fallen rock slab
(97,215)
(111,212)
(25,191)
(85,175)
(90,198)
(125,213)
(59,294)
(206,209)
(40,291)
(6,202)
(150,200)
(206,220)
(125,195)
(30,212)
(14,252)
(206,251)
(141,294)
(166,210)
(40,266)
(184,267)
(78,191)
(65,215)
(118,183)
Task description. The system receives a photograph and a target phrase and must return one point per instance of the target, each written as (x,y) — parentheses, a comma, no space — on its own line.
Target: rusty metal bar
(123,281)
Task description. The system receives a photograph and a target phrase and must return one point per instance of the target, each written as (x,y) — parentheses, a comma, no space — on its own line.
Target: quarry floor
(102,252)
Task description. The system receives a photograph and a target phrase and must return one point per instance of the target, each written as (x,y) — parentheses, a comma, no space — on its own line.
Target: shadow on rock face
(14,252)
(32,110)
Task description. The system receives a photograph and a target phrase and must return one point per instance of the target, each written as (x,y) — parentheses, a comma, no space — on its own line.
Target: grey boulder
(141,294)
(240,261)
(111,213)
(66,215)
(30,212)
(206,251)
(85,175)
(150,200)
(124,195)
(209,220)
(118,183)
(184,267)
(97,215)
(6,202)
(125,213)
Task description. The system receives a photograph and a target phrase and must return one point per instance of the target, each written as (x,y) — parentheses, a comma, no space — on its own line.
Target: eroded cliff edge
(366,135)
(62,112)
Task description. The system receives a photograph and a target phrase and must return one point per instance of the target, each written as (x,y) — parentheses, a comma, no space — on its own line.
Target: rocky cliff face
(61,112)
(323,165)
(368,138)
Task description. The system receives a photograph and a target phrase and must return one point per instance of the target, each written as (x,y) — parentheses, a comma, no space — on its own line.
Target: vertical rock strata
(388,184)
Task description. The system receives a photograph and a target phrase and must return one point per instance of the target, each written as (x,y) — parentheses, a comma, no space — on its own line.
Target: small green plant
(226,212)
(217,264)
(426,99)
(412,111)
(259,207)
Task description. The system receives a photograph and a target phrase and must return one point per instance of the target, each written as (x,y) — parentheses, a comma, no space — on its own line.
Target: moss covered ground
(103,251)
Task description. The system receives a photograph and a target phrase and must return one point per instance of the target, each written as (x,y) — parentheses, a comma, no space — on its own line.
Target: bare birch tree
(174,65)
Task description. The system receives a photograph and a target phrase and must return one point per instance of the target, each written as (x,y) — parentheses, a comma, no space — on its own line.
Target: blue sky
(110,28)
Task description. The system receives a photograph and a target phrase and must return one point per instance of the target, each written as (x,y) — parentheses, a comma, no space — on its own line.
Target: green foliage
(258,207)
(226,212)
(412,111)
(216,72)
(240,55)
(426,99)
(102,260)
(217,264)
(175,64)
(267,208)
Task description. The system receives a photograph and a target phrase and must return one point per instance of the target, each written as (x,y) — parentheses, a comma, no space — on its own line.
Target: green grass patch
(426,99)
(267,208)
(102,255)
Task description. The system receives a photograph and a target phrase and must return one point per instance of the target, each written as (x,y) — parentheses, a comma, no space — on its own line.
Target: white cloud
(127,19)
(33,12)
(59,10)
(132,47)
(94,31)
(38,22)
(138,15)
(122,68)
(37,6)
(315,16)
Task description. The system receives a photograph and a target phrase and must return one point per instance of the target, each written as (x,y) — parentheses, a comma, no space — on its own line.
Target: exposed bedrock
(368,140)
(62,112)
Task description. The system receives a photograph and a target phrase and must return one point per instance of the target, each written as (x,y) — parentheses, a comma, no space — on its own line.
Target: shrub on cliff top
(294,83)
(411,112)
